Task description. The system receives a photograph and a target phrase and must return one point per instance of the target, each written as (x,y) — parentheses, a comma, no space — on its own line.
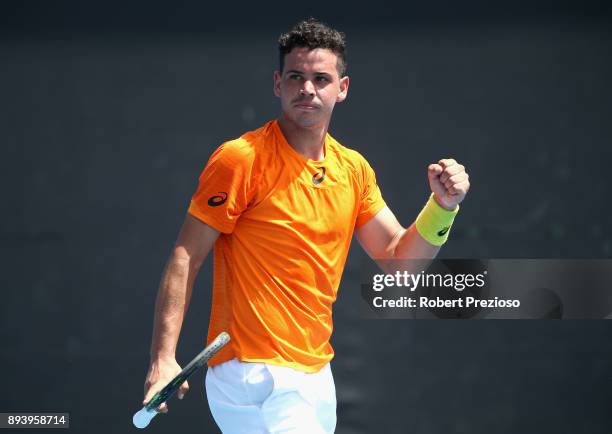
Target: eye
(322,79)
(295,77)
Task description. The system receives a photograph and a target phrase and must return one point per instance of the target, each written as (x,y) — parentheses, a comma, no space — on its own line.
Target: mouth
(305,106)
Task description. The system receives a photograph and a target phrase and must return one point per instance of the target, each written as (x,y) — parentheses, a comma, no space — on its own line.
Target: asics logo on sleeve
(218,200)
(318,178)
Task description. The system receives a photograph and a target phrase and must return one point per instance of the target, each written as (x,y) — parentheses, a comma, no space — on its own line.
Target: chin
(308,120)
(308,123)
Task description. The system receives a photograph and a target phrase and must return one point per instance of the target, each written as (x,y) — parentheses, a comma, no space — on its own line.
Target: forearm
(423,239)
(394,247)
(173,299)
(410,245)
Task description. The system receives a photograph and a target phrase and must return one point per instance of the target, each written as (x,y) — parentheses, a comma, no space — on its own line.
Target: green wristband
(434,222)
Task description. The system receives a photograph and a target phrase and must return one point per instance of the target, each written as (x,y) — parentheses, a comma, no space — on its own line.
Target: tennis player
(280,205)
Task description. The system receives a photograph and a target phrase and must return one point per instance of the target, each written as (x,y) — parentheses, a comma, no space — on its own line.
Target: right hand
(161,372)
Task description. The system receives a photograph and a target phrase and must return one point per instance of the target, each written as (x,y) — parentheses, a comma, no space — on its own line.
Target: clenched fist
(449,182)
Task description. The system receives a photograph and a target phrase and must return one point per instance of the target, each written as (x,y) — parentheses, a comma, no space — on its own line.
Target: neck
(308,142)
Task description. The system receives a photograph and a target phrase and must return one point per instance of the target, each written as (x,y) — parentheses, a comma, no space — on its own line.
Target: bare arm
(383,238)
(194,242)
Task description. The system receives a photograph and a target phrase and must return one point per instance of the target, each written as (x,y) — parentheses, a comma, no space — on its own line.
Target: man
(280,205)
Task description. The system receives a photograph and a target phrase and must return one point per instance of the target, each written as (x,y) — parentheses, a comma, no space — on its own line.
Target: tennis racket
(142,418)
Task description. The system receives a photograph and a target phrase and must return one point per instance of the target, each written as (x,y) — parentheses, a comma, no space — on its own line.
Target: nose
(307,88)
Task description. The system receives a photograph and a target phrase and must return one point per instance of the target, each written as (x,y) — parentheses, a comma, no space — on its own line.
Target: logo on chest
(319,177)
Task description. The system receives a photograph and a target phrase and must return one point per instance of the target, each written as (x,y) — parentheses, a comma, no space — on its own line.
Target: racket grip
(142,418)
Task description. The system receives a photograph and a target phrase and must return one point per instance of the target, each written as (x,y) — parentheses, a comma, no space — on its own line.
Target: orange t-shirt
(286,225)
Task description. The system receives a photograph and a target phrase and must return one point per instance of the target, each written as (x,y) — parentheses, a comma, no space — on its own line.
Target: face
(310,86)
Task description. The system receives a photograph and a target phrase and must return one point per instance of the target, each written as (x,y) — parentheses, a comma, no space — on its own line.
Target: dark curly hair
(311,34)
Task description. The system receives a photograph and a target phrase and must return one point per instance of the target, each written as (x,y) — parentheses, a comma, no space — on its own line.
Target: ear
(344,85)
(277,83)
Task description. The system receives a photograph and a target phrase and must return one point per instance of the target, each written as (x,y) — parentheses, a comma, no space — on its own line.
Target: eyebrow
(295,71)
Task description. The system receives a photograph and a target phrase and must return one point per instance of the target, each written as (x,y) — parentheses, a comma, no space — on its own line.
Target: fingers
(452,173)
(434,170)
(448,177)
(447,162)
(451,170)
(455,179)
(162,408)
(149,393)
(150,390)
(183,390)
(161,372)
(459,189)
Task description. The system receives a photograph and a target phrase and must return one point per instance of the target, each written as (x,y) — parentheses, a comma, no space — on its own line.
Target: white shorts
(258,398)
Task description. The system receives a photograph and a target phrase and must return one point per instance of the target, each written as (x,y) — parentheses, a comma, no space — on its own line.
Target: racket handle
(142,418)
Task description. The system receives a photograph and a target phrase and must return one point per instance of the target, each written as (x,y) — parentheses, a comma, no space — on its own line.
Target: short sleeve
(225,186)
(371,198)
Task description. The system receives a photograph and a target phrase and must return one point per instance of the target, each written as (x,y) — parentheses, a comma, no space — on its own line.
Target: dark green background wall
(108,112)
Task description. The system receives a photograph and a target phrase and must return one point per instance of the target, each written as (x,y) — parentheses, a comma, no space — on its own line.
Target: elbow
(392,250)
(182,258)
